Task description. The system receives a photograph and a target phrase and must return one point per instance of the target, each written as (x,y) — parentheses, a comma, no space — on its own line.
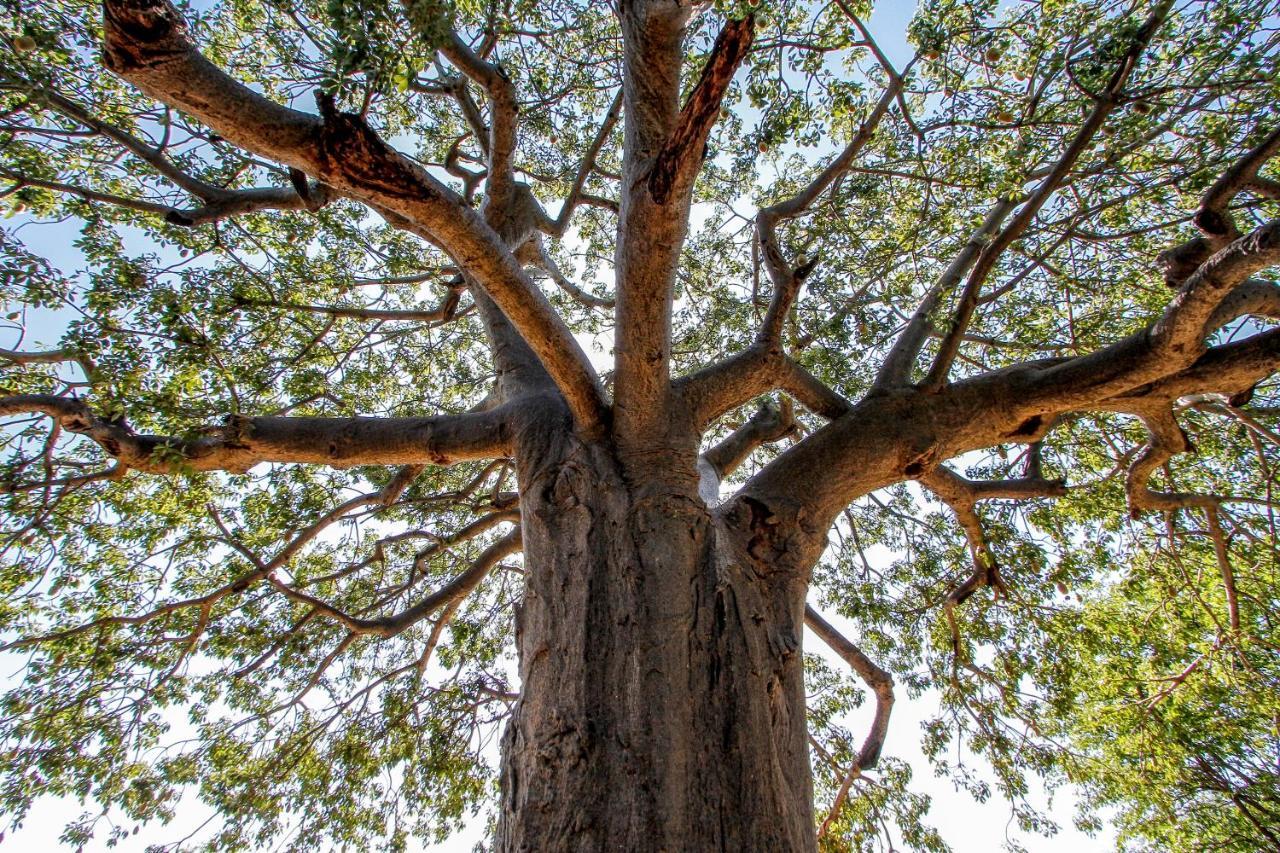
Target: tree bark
(663,702)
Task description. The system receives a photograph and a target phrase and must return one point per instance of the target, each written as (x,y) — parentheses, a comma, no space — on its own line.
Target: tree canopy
(261,527)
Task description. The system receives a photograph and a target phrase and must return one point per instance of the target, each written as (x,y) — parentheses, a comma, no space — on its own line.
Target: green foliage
(1112,663)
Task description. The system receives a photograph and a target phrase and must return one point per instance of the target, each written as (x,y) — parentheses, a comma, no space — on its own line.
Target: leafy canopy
(1138,657)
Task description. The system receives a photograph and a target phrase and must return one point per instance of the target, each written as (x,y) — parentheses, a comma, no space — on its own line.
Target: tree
(900,338)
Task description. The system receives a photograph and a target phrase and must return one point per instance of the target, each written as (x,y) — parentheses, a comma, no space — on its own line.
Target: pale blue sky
(969,827)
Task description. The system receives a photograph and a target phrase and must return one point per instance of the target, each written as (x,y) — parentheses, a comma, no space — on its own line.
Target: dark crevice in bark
(663,701)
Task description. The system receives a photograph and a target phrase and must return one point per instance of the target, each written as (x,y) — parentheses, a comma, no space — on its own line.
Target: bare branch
(149,154)
(534,252)
(1166,440)
(56,356)
(1224,566)
(786,279)
(504,117)
(880,682)
(445,311)
(1172,344)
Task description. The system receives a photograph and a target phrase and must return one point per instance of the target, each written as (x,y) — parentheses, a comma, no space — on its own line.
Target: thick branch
(769,423)
(718,388)
(246,441)
(1227,369)
(1212,218)
(1172,344)
(147,44)
(650,235)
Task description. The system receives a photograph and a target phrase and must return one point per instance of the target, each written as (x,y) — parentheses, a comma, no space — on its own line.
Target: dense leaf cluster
(1119,660)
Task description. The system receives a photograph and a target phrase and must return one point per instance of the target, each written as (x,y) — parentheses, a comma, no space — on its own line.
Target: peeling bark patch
(350,148)
(688,140)
(142,34)
(761,523)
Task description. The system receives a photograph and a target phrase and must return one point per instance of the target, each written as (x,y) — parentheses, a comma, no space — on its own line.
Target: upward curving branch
(146,42)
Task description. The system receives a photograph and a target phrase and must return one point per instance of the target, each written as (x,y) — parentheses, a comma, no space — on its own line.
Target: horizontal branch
(708,393)
(246,441)
(56,356)
(446,310)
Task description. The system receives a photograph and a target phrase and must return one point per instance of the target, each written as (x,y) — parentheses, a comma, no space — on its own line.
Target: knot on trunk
(774,539)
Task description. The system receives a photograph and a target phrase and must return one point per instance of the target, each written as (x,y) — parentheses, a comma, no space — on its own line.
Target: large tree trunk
(662,705)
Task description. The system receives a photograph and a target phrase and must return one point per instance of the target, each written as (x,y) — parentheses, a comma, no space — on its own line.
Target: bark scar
(688,141)
(142,34)
(348,146)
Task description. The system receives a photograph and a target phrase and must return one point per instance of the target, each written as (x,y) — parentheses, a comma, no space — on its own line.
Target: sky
(969,827)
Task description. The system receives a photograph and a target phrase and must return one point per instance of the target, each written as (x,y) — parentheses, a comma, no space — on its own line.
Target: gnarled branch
(146,42)
(246,441)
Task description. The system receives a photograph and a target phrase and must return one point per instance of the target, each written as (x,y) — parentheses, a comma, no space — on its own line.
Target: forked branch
(1106,102)
(678,161)
(146,42)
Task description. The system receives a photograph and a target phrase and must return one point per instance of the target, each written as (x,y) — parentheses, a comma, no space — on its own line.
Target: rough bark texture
(663,702)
